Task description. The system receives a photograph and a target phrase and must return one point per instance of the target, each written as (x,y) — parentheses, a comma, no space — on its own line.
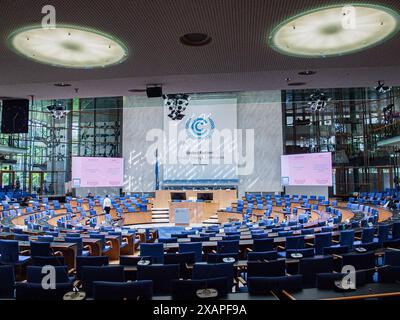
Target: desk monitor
(175,196)
(205,196)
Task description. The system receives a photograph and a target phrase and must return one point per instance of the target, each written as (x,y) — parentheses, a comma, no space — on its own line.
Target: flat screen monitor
(312,169)
(91,172)
(175,196)
(205,196)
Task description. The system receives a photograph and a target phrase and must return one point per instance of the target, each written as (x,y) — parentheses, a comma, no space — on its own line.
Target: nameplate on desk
(182,215)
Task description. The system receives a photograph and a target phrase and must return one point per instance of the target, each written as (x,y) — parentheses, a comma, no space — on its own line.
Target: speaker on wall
(15,116)
(154,92)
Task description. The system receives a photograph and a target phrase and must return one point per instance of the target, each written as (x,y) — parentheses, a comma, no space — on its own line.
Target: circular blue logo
(200,128)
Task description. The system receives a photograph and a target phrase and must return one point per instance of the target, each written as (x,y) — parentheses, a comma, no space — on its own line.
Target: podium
(186,213)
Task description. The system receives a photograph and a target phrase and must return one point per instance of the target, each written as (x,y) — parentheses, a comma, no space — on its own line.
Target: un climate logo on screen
(200,127)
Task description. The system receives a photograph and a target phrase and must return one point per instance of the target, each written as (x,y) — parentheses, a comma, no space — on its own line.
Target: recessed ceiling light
(195,39)
(324,33)
(137,90)
(68,46)
(307,73)
(296,84)
(62,84)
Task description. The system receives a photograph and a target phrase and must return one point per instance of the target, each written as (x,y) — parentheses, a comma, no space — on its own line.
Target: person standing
(107,204)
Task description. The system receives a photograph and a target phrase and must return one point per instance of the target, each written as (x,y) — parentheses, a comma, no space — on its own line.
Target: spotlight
(381,88)
(318,101)
(57,111)
(176,104)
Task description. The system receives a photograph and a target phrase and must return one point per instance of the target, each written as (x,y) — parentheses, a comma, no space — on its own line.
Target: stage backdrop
(201,148)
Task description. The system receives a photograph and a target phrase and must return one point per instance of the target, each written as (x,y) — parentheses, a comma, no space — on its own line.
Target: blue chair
(197,248)
(361,261)
(310,267)
(79,246)
(138,290)
(106,246)
(35,291)
(122,242)
(202,271)
(153,250)
(392,258)
(383,233)
(230,247)
(7,282)
(34,274)
(45,239)
(263,245)
(9,253)
(21,237)
(91,274)
(92,261)
(347,238)
(275,268)
(263,285)
(396,231)
(40,249)
(161,276)
(262,256)
(321,241)
(296,242)
(367,235)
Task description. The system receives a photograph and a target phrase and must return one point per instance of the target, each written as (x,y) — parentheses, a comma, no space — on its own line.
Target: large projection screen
(97,172)
(193,159)
(312,169)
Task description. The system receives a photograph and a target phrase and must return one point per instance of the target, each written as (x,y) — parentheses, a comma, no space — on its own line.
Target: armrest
(337,256)
(280,247)
(109,242)
(72,271)
(242,281)
(58,253)
(357,238)
(89,248)
(309,244)
(249,250)
(335,241)
(25,253)
(213,251)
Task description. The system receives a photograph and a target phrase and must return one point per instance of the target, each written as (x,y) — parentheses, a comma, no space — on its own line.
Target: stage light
(177,104)
(324,32)
(68,46)
(381,88)
(58,111)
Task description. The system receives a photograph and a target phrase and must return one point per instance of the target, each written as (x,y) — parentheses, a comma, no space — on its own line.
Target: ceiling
(238,58)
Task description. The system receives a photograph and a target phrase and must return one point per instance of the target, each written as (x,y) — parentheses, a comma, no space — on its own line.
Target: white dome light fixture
(335,30)
(68,46)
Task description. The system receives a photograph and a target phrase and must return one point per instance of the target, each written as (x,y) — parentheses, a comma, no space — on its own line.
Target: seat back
(396,230)
(347,238)
(40,249)
(274,268)
(95,261)
(229,246)
(261,256)
(321,241)
(263,245)
(263,285)
(138,290)
(383,232)
(392,258)
(367,235)
(34,274)
(153,250)
(91,274)
(294,242)
(35,291)
(160,275)
(197,248)
(310,267)
(7,282)
(9,251)
(202,271)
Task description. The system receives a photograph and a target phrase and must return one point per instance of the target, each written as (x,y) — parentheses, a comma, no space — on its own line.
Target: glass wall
(351,126)
(40,161)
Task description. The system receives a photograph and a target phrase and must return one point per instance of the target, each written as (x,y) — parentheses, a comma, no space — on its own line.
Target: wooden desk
(225,216)
(223,197)
(198,211)
(368,291)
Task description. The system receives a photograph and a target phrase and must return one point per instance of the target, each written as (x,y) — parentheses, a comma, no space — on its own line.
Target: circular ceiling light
(307,73)
(62,84)
(68,46)
(335,30)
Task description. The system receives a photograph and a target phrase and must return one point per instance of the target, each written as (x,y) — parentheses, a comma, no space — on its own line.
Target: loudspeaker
(154,92)
(15,116)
